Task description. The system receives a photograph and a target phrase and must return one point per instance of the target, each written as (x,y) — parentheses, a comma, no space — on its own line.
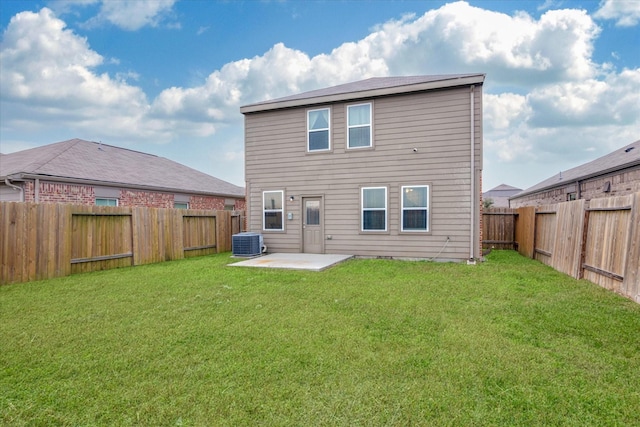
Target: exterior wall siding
(55,192)
(436,124)
(620,184)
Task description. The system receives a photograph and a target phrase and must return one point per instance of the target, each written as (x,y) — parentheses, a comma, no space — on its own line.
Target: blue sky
(167,77)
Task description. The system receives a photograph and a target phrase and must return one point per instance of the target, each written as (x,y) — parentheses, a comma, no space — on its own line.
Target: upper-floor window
(374,209)
(181,205)
(106,201)
(415,208)
(359,126)
(272,212)
(318,135)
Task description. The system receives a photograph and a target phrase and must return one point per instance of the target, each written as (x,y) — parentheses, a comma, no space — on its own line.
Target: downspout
(15,187)
(36,190)
(472,236)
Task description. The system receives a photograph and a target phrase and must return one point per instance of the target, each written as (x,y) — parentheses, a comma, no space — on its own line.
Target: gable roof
(623,158)
(82,161)
(502,190)
(375,86)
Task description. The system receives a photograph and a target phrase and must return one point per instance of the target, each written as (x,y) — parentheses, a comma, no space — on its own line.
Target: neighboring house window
(181,205)
(106,202)
(571,197)
(318,130)
(272,210)
(374,209)
(415,208)
(359,126)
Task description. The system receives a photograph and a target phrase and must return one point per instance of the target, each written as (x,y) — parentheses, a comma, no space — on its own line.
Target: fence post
(223,231)
(583,249)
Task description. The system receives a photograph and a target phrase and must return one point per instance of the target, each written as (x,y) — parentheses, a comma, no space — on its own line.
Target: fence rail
(599,242)
(41,241)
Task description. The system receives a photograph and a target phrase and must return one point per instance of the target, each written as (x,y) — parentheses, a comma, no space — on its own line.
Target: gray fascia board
(350,96)
(24,176)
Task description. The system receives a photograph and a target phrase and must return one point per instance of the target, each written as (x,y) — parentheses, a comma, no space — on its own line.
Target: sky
(168,77)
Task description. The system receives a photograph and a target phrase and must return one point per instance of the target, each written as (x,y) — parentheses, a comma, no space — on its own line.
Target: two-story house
(384,167)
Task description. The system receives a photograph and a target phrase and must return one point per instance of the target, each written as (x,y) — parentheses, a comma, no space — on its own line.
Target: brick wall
(206,202)
(150,199)
(216,203)
(549,197)
(241,205)
(53,192)
(620,184)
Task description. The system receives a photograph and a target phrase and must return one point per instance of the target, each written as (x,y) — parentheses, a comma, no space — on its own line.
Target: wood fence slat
(525,230)
(40,241)
(609,230)
(498,228)
(568,238)
(631,283)
(600,243)
(545,232)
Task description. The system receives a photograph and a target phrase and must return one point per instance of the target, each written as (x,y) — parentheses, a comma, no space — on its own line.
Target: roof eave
(24,176)
(371,93)
(562,183)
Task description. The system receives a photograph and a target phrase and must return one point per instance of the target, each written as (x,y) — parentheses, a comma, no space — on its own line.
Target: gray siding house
(384,167)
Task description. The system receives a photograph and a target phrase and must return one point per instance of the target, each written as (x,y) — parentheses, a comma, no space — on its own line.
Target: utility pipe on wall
(472,236)
(15,187)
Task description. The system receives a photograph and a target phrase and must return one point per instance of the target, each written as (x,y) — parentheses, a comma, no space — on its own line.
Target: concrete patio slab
(314,262)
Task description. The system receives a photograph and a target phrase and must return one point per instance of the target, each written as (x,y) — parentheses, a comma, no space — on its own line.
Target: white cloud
(626,13)
(560,105)
(511,49)
(47,75)
(613,100)
(132,15)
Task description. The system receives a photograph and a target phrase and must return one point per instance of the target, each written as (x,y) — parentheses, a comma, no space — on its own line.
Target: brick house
(615,174)
(92,173)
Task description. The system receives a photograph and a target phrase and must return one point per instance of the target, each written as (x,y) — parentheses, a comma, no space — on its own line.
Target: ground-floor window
(272,210)
(415,208)
(374,209)
(106,202)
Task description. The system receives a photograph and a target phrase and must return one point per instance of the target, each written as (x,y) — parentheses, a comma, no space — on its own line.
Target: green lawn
(368,342)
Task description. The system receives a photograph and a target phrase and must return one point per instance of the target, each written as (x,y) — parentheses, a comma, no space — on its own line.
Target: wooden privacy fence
(599,242)
(41,241)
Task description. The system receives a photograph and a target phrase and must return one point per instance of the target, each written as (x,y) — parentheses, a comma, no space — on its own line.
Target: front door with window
(312,233)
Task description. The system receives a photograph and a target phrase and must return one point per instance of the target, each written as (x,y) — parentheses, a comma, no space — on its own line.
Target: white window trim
(264,211)
(180,203)
(385,209)
(370,125)
(328,129)
(402,208)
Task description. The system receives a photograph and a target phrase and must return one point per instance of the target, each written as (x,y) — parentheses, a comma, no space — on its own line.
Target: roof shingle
(627,156)
(92,161)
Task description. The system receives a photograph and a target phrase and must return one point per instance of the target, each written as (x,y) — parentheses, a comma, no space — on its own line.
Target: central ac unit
(247,244)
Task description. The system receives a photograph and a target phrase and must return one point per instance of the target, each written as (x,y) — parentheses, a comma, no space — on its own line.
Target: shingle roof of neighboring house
(101,164)
(626,157)
(500,195)
(375,86)
(502,190)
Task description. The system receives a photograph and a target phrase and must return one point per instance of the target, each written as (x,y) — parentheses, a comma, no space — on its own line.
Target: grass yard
(368,342)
